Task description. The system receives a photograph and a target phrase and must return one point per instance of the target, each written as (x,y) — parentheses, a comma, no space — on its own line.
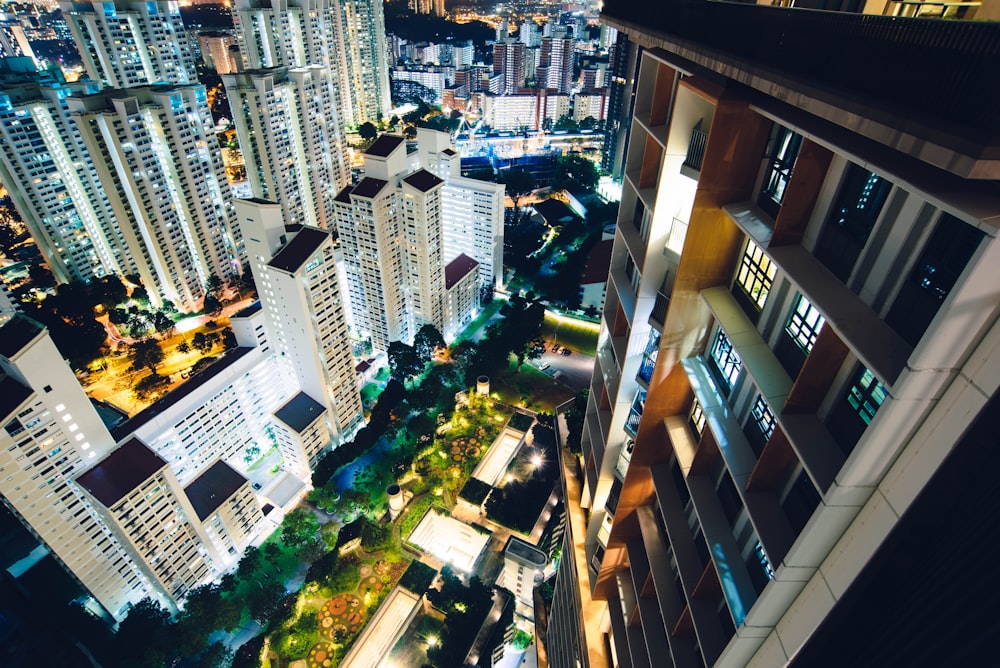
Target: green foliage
(475,491)
(375,536)
(149,386)
(574,415)
(426,340)
(368,131)
(404,361)
(299,528)
(566,123)
(300,637)
(574,170)
(465,609)
(521,639)
(146,354)
(417,577)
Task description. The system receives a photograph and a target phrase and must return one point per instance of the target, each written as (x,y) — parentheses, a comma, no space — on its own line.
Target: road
(574,370)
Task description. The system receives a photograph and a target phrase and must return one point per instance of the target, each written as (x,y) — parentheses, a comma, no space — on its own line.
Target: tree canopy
(404,361)
(575,170)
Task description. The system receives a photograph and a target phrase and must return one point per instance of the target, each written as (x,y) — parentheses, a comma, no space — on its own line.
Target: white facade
(461,299)
(215,52)
(299,289)
(591,104)
(178,209)
(54,183)
(511,112)
(290,135)
(420,197)
(50,426)
(432,77)
(126,43)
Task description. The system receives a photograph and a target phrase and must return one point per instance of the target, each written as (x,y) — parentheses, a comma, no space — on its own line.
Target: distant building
(594,283)
(508,61)
(462,295)
(556,62)
(523,564)
(215,51)
(592,103)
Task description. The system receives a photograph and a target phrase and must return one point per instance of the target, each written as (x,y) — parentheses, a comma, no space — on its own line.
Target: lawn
(530,388)
(577,335)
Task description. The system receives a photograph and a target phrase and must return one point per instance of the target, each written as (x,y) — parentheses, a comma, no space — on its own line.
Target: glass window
(945,257)
(754,277)
(866,395)
(782,149)
(763,416)
(726,359)
(697,417)
(804,323)
(851,220)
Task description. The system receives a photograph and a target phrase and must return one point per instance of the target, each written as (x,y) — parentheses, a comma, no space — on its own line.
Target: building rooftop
(12,395)
(525,552)
(211,489)
(249,310)
(115,476)
(298,251)
(449,152)
(165,403)
(344,195)
(299,412)
(16,333)
(555,212)
(423,180)
(384,146)
(457,269)
(598,263)
(369,187)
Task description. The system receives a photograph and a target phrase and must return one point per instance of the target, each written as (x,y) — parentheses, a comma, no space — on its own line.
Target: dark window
(800,502)
(851,220)
(727,362)
(759,425)
(47,389)
(799,335)
(729,498)
(757,569)
(637,214)
(753,280)
(612,503)
(680,483)
(782,149)
(947,253)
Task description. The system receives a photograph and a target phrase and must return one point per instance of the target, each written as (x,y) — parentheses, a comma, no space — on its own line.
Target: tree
(149,385)
(146,354)
(299,528)
(263,600)
(228,339)
(214,285)
(575,170)
(368,131)
(162,323)
(211,304)
(404,361)
(519,183)
(201,342)
(427,339)
(143,639)
(108,291)
(183,347)
(566,123)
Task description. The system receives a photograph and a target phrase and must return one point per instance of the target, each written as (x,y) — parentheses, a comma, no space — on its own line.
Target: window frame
(726,360)
(783,148)
(753,279)
(811,329)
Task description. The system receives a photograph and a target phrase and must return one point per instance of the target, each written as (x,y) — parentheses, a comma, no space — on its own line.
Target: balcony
(624,458)
(645,373)
(635,413)
(658,316)
(695,153)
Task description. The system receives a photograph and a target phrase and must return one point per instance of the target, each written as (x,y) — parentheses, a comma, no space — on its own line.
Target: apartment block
(52,181)
(174,213)
(796,340)
(128,43)
(230,515)
(462,295)
(289,132)
(296,274)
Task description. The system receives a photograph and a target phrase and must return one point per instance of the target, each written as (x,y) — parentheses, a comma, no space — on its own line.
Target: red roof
(598,263)
(458,269)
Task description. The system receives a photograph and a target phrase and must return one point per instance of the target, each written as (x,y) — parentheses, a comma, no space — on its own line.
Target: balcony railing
(624,458)
(696,149)
(659,315)
(646,369)
(635,413)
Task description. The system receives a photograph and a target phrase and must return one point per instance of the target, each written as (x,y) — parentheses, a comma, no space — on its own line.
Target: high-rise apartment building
(51,434)
(508,61)
(289,134)
(215,51)
(370,227)
(125,43)
(155,152)
(52,180)
(296,275)
(420,200)
(556,62)
(795,390)
(347,38)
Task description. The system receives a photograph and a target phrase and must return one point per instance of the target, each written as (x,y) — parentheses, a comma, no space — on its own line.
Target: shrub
(475,491)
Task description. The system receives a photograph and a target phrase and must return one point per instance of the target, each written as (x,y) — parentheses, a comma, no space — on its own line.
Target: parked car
(545,366)
(565,351)
(256,486)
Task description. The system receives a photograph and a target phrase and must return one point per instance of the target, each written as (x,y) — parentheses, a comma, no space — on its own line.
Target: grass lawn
(530,388)
(480,320)
(577,335)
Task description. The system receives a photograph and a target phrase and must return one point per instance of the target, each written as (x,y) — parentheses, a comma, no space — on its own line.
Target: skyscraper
(156,155)
(370,227)
(127,43)
(508,61)
(556,62)
(52,180)
(288,131)
(791,385)
(296,275)
(367,60)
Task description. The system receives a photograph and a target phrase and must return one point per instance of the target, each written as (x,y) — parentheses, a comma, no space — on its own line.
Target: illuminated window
(697,417)
(866,395)
(754,277)
(851,220)
(804,324)
(726,359)
(763,416)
